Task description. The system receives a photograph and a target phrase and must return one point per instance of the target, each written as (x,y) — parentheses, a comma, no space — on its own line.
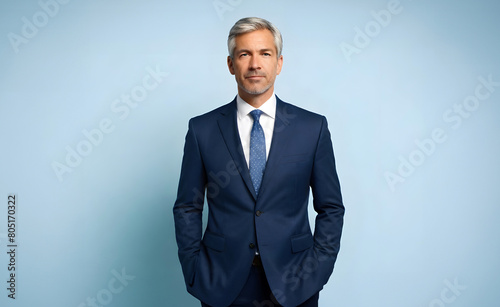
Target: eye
(243,54)
(267,54)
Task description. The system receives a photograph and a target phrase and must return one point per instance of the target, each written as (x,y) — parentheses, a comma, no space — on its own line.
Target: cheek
(238,71)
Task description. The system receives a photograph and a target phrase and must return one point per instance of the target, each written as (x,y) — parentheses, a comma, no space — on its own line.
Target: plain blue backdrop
(94,102)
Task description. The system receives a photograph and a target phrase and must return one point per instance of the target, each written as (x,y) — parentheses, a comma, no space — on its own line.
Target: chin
(255,91)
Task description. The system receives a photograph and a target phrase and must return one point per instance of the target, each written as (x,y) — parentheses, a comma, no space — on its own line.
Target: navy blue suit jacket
(297,264)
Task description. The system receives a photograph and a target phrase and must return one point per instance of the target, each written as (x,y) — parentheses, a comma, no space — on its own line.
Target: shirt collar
(268,107)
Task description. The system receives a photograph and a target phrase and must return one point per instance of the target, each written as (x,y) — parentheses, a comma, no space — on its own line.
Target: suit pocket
(301,242)
(214,241)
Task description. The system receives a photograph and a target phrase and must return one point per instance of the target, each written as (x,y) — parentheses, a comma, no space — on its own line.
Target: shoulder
(214,115)
(288,112)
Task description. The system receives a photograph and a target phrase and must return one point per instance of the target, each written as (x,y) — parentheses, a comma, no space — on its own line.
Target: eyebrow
(249,51)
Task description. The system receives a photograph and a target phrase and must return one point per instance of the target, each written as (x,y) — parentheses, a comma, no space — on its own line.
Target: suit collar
(268,107)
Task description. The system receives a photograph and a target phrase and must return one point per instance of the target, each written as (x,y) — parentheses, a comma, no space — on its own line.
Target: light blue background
(400,246)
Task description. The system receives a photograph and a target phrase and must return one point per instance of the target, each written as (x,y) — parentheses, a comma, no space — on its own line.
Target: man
(257,158)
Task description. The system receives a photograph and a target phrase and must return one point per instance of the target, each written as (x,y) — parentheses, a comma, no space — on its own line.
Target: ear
(280,65)
(230,65)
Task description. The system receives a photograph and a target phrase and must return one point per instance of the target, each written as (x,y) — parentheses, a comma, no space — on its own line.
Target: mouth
(254,77)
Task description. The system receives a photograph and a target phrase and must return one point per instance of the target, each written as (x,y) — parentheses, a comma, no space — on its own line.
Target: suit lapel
(229,129)
(282,134)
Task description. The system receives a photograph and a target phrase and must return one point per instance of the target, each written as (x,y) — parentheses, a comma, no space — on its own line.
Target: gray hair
(250,24)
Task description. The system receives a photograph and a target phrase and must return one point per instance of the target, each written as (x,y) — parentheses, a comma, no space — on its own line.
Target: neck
(256,100)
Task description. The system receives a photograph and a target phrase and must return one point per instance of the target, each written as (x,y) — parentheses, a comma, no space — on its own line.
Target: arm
(327,199)
(188,207)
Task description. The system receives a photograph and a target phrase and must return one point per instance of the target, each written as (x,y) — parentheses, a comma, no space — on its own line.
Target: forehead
(256,39)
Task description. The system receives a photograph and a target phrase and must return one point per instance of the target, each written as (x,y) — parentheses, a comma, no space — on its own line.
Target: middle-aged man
(256,159)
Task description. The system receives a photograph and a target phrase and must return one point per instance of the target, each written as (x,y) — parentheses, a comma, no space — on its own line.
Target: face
(255,64)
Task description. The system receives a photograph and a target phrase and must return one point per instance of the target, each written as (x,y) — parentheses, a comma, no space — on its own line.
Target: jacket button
(258,213)
(251,245)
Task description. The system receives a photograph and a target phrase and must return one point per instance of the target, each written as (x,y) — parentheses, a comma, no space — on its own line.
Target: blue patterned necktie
(257,151)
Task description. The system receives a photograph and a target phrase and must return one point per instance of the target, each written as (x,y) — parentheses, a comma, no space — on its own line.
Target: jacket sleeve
(188,206)
(327,199)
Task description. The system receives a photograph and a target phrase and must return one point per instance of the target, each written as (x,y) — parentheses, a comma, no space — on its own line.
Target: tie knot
(256,114)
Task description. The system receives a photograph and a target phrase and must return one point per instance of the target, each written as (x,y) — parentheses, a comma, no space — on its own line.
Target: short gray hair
(250,24)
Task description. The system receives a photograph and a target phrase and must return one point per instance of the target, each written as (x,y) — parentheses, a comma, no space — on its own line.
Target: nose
(254,63)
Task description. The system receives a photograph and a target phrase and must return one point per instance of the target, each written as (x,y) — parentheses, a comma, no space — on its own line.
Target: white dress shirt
(245,123)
